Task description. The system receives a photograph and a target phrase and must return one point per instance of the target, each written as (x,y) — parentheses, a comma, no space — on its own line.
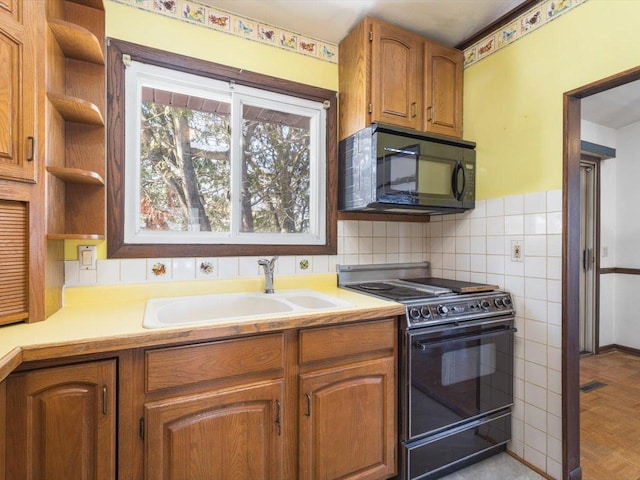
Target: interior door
(588,247)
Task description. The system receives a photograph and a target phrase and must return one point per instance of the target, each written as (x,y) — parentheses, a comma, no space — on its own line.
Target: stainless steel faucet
(269,266)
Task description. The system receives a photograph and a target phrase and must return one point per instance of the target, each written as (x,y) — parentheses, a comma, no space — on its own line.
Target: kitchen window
(213,164)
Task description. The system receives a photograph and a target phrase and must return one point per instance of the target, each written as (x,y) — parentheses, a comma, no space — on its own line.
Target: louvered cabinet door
(14,264)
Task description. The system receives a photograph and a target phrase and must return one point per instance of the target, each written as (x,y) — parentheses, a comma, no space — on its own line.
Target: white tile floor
(498,467)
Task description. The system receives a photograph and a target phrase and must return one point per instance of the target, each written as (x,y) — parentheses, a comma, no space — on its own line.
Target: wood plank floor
(610,417)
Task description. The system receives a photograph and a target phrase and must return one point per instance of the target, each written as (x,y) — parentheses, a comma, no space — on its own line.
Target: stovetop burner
(428,300)
(376,286)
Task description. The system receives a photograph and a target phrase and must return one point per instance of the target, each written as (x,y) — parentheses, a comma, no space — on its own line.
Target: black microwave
(395,170)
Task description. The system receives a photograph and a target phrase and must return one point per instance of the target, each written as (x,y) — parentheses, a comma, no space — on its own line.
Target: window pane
(275,171)
(185,162)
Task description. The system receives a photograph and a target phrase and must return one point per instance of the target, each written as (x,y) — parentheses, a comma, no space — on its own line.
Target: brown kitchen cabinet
(21,262)
(61,423)
(347,418)
(215,410)
(18,37)
(443,68)
(3,428)
(223,434)
(390,75)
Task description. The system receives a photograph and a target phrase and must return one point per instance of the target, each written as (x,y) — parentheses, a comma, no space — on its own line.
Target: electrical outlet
(87,257)
(517,247)
(605,252)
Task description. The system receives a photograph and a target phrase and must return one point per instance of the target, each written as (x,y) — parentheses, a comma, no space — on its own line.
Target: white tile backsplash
(534,219)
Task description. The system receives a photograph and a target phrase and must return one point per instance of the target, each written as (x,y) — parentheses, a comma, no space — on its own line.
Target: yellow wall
(145,28)
(513,98)
(152,30)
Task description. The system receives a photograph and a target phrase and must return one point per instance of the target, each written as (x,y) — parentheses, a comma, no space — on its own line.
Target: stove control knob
(485,304)
(506,301)
(498,302)
(426,313)
(414,313)
(443,310)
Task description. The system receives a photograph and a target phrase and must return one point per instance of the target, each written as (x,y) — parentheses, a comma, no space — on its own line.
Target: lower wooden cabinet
(347,421)
(61,423)
(313,404)
(224,435)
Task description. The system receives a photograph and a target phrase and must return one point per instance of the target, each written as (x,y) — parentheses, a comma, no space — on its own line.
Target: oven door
(455,373)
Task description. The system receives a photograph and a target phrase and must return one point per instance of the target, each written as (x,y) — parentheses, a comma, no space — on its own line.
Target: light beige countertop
(109,318)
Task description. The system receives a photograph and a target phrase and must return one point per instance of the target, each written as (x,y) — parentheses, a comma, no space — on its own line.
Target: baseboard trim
(532,467)
(614,347)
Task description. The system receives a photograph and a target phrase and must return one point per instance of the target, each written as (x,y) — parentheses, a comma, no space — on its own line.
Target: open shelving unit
(75,111)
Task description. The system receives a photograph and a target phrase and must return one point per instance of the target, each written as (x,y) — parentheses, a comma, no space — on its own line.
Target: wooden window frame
(116,246)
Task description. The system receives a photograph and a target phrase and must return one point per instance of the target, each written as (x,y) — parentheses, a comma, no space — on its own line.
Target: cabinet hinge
(370,108)
(141,432)
(371,35)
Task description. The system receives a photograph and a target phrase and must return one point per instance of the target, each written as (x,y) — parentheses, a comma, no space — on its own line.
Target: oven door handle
(424,345)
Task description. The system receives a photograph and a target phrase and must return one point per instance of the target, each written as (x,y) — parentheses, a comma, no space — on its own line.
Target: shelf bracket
(126,59)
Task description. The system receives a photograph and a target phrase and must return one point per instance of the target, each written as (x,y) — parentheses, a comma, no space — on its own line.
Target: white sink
(234,307)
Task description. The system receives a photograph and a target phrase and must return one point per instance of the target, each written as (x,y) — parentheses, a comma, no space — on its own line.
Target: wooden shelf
(74,236)
(77,42)
(76,175)
(97,4)
(74,109)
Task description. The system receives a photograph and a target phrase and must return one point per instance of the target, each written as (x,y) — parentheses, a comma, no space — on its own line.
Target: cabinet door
(348,424)
(3,428)
(226,435)
(17,90)
(443,89)
(395,76)
(61,423)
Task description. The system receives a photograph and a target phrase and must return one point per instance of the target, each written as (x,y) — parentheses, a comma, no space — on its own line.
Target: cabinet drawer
(341,341)
(177,366)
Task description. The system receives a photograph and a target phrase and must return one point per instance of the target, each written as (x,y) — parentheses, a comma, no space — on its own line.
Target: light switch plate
(87,257)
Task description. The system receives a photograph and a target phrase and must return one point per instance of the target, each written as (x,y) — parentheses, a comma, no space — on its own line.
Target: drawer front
(342,341)
(178,366)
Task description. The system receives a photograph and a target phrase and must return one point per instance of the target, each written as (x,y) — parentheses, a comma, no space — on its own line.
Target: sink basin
(234,307)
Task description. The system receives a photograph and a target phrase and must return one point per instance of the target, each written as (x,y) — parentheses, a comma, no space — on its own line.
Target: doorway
(571,266)
(589,245)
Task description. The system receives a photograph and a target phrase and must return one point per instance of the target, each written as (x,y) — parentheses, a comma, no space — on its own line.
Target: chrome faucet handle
(269,263)
(269,268)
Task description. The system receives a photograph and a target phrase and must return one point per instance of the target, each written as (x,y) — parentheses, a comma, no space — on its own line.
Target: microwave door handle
(454,181)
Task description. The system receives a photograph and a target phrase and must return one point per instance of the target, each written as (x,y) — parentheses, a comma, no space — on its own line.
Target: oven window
(468,363)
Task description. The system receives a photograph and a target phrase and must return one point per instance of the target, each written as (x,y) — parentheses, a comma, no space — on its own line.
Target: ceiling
(614,108)
(445,21)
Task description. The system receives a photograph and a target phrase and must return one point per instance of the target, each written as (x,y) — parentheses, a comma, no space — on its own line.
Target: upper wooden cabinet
(390,75)
(395,90)
(61,423)
(18,35)
(443,89)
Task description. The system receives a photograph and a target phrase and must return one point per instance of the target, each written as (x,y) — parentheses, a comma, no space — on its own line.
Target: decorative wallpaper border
(194,12)
(526,23)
